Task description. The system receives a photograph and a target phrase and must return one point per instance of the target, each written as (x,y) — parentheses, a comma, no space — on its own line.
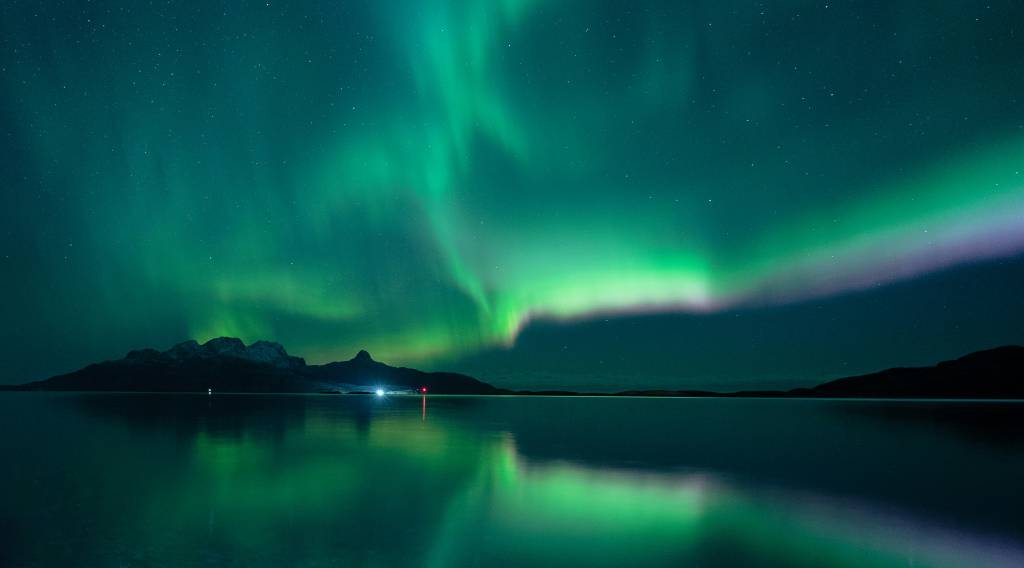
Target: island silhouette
(227,364)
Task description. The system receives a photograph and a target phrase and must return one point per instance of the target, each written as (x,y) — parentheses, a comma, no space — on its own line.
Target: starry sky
(546,194)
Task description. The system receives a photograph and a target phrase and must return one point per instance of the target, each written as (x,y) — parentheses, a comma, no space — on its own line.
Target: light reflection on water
(179,480)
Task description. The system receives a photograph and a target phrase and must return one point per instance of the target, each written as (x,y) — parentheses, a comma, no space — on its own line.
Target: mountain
(363,370)
(993,373)
(227,364)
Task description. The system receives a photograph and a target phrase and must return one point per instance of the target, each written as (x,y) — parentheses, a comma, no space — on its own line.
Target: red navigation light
(423,390)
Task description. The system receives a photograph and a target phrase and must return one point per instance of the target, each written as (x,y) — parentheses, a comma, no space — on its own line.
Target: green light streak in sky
(568,272)
(423,179)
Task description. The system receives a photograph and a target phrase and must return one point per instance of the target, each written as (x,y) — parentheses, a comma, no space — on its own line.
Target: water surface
(236,480)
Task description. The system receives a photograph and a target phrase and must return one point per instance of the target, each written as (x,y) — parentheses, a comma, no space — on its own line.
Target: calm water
(182,480)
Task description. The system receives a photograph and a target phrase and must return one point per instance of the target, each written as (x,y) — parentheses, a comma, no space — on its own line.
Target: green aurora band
(423,179)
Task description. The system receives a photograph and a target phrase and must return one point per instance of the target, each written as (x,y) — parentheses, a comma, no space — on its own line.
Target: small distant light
(423,390)
(380,392)
(209,391)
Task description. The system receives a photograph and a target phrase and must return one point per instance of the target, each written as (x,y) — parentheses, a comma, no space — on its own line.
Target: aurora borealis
(431,180)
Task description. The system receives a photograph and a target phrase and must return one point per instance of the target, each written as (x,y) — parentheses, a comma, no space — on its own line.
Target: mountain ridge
(996,373)
(989,373)
(227,364)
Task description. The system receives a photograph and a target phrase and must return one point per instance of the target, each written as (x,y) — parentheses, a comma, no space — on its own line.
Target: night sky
(696,194)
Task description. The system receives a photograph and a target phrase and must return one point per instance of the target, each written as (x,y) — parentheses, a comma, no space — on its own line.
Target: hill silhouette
(993,373)
(226,364)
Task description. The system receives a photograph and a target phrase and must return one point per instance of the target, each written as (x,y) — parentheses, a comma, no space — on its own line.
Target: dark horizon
(226,365)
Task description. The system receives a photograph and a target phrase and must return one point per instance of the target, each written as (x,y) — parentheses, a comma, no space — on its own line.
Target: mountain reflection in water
(442,481)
